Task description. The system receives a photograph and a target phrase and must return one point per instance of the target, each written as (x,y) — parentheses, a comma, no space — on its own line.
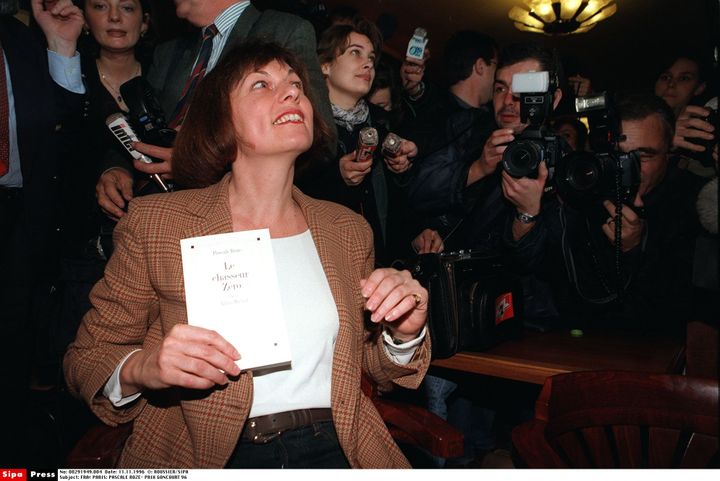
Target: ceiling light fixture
(560,17)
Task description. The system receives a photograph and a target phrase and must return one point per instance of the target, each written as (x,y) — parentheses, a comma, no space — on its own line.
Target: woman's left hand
(397,300)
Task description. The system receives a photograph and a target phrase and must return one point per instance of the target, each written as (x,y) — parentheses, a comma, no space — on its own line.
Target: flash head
(530,82)
(591,102)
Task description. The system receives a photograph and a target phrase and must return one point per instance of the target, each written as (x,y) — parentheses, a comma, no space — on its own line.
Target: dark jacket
(568,249)
(379,198)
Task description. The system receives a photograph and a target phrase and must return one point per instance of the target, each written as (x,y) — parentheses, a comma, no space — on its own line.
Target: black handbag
(474,302)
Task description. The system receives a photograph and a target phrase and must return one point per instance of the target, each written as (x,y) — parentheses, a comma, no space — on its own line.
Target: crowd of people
(269,116)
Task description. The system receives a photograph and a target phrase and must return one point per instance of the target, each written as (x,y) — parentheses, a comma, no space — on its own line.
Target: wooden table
(535,356)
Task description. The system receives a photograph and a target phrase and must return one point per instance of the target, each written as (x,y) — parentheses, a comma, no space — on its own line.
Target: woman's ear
(325,69)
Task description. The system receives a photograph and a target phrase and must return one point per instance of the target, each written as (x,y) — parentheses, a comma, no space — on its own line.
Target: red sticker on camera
(504,308)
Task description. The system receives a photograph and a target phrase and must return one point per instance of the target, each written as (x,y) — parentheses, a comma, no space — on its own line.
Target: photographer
(476,192)
(464,182)
(645,284)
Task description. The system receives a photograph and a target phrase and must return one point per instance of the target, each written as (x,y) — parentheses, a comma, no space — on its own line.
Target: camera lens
(582,172)
(521,158)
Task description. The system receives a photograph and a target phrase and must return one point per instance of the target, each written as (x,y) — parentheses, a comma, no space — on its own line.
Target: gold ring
(417,298)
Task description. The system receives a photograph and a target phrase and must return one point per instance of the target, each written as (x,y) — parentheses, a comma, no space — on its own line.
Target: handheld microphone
(119,126)
(145,115)
(367,143)
(391,144)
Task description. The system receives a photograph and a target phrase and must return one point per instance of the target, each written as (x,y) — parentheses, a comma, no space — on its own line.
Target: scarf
(350,118)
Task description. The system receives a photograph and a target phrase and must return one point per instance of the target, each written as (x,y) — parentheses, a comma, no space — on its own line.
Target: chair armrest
(417,426)
(100,447)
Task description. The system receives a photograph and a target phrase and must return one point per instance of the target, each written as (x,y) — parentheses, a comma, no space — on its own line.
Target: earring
(86,31)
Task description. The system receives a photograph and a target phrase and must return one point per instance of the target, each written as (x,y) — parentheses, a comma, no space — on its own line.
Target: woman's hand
(401,162)
(190,357)
(428,241)
(61,22)
(397,300)
(353,172)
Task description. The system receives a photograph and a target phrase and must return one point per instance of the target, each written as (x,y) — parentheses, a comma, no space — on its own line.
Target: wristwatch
(525,218)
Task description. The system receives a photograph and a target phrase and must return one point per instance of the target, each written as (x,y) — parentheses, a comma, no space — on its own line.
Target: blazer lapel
(212,207)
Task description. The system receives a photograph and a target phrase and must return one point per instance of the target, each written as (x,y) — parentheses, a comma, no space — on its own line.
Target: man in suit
(30,111)
(175,61)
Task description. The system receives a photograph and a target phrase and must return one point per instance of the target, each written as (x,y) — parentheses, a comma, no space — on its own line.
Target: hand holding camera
(491,156)
(694,129)
(632,224)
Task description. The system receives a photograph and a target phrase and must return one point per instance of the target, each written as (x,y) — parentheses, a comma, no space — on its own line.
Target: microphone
(367,143)
(145,114)
(119,126)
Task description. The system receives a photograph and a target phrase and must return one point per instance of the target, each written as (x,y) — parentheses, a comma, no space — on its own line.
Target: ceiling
(620,53)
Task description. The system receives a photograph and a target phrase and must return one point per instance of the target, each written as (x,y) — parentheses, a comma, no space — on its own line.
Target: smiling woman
(135,357)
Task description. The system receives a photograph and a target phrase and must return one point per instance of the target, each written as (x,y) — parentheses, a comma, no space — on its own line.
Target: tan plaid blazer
(142,296)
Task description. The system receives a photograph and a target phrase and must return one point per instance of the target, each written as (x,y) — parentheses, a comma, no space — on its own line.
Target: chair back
(617,419)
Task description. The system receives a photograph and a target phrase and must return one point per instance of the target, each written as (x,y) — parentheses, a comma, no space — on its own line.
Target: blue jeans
(315,446)
(437,391)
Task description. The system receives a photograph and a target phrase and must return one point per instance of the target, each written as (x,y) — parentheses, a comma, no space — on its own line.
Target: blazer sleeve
(376,362)
(124,306)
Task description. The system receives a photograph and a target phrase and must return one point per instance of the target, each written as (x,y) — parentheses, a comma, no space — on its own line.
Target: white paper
(231,286)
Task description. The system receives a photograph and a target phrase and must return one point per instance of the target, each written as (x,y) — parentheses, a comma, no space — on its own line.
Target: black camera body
(145,116)
(585,179)
(705,157)
(522,156)
(536,143)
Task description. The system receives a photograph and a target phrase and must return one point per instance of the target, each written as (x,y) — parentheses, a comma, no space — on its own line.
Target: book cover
(231,286)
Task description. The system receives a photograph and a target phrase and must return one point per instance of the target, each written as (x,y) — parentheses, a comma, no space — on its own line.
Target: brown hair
(207,144)
(334,41)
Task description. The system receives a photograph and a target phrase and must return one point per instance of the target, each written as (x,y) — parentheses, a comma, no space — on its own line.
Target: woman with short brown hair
(135,357)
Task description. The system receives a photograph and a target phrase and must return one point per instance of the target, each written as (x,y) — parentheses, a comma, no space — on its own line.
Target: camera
(705,157)
(145,116)
(587,178)
(536,143)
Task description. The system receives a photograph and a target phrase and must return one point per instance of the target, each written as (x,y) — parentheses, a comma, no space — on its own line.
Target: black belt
(262,429)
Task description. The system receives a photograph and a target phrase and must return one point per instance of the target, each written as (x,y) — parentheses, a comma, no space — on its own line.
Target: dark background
(624,52)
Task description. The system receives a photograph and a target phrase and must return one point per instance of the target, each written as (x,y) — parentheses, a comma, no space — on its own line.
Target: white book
(231,286)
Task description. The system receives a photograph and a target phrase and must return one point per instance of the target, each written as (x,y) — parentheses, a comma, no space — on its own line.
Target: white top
(312,325)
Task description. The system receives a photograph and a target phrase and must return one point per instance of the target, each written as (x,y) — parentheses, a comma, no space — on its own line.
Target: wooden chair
(615,419)
(702,354)
(416,426)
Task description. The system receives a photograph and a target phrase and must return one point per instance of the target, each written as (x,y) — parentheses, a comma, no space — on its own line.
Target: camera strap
(570,266)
